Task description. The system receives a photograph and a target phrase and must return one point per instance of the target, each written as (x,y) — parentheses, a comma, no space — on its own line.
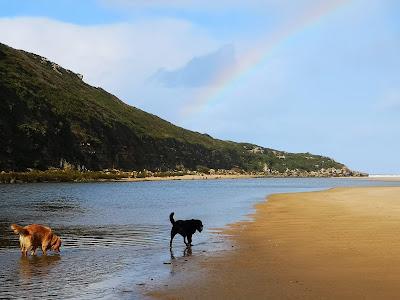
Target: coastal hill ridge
(50,117)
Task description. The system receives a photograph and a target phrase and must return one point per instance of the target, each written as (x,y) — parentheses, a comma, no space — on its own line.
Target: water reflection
(34,266)
(186,252)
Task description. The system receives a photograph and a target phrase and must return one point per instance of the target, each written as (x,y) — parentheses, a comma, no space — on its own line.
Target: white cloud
(118,57)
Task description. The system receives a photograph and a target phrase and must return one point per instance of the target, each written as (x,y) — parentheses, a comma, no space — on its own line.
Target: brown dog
(34,236)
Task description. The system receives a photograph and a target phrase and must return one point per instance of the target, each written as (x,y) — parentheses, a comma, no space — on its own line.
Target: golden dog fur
(34,236)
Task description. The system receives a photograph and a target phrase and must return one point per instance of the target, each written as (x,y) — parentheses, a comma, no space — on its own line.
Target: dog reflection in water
(186,253)
(37,265)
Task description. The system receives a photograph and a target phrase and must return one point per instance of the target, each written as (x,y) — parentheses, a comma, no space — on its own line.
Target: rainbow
(247,62)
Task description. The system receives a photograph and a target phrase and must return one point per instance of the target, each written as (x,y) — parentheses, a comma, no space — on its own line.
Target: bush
(57,175)
(203,169)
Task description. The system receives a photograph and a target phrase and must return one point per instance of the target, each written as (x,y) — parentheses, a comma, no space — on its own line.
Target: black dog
(185,228)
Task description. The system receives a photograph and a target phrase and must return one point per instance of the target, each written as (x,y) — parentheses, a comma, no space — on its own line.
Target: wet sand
(342,243)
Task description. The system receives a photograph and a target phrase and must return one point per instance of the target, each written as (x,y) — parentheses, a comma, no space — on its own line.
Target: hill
(50,117)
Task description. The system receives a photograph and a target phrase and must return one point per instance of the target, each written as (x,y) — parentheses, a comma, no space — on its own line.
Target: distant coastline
(73,175)
(384,177)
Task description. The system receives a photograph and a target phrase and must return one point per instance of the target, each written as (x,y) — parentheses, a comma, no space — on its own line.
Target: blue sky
(331,87)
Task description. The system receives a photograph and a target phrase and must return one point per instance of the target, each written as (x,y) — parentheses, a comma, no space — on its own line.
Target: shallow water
(116,235)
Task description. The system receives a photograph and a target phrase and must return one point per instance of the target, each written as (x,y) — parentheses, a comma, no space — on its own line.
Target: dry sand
(338,244)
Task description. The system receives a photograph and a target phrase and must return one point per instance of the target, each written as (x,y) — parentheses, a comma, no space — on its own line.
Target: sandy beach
(342,243)
(241,176)
(191,177)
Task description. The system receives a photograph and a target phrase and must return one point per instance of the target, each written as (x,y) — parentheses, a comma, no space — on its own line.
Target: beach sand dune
(342,243)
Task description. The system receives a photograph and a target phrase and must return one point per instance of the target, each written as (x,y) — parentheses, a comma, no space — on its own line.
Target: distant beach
(193,177)
(73,175)
(337,244)
(385,177)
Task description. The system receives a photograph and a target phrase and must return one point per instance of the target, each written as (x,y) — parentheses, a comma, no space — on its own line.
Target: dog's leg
(172,253)
(25,249)
(173,233)
(187,251)
(33,251)
(22,245)
(184,240)
(190,239)
(26,243)
(44,248)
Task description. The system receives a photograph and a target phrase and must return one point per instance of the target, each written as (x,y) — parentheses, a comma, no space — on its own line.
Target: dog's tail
(171,218)
(19,229)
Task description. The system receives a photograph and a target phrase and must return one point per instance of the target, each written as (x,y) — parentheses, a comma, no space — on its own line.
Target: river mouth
(116,235)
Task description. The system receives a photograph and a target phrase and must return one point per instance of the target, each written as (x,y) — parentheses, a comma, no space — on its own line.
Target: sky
(319,76)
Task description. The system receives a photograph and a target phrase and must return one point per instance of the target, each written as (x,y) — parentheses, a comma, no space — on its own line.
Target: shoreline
(192,177)
(59,176)
(340,243)
(58,179)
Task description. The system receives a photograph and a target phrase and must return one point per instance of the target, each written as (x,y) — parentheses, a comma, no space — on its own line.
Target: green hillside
(49,116)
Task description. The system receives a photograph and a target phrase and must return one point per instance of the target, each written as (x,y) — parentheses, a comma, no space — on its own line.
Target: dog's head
(55,243)
(199,225)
